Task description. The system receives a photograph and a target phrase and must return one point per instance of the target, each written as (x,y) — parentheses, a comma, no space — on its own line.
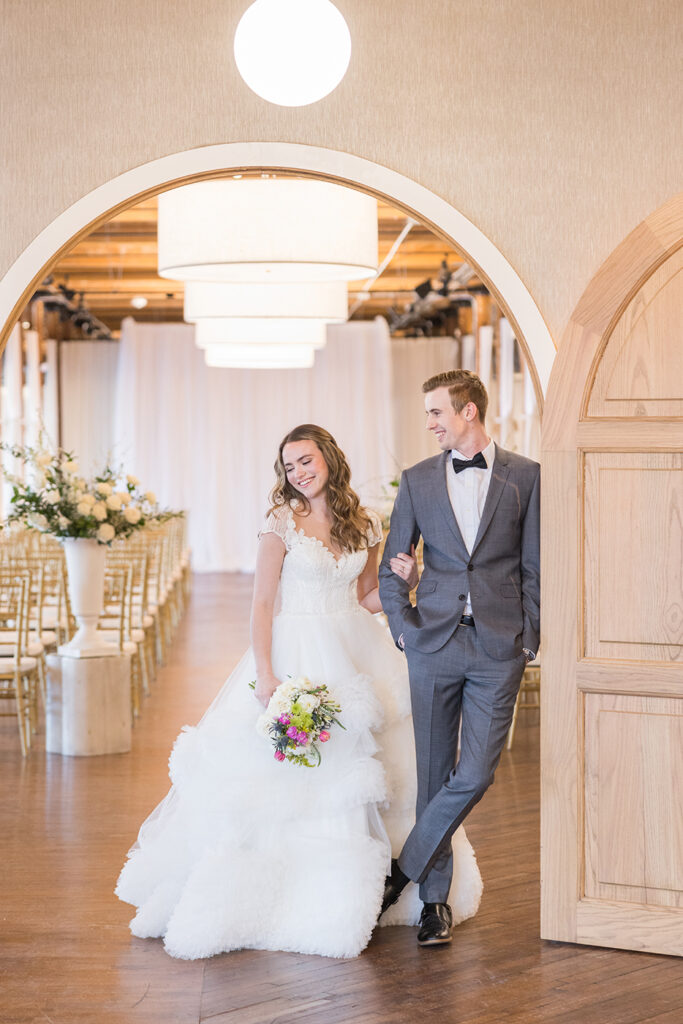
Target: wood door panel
(612,605)
(628,926)
(633,556)
(641,369)
(633,776)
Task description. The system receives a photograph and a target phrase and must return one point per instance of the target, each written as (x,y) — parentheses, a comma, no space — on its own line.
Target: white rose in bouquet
(38,520)
(104,488)
(308,702)
(114,503)
(52,497)
(263,726)
(151,497)
(69,466)
(43,459)
(132,515)
(132,480)
(99,511)
(124,496)
(83,508)
(106,532)
(89,500)
(63,523)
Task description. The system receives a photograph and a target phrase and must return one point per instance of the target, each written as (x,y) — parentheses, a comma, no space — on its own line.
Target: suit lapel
(499,475)
(443,500)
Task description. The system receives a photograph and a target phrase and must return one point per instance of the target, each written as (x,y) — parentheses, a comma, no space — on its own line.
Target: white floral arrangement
(298,717)
(60,502)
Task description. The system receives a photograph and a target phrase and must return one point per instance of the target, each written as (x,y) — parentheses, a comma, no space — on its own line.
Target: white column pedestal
(88,705)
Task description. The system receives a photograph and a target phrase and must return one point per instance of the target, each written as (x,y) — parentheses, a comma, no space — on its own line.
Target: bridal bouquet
(298,717)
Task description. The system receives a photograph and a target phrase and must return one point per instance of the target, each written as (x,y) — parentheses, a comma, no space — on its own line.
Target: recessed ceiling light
(138,302)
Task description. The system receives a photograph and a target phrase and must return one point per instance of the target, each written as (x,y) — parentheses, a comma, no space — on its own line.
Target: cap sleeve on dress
(375,533)
(277,522)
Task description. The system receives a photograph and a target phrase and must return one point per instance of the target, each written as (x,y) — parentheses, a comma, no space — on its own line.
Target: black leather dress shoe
(436,922)
(394,885)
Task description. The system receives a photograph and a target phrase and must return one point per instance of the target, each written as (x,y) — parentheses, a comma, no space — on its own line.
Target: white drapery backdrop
(88,372)
(205,439)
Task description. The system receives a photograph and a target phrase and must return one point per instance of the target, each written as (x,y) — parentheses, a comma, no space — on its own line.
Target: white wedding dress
(247,852)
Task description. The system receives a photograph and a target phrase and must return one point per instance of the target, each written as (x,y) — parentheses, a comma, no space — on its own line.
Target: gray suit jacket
(501,573)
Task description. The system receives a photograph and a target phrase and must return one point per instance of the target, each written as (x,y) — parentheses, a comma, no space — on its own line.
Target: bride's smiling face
(305,467)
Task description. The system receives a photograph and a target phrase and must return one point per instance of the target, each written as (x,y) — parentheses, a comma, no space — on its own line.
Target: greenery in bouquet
(298,717)
(57,500)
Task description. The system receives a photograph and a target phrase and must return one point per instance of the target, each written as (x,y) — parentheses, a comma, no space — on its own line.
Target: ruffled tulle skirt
(248,852)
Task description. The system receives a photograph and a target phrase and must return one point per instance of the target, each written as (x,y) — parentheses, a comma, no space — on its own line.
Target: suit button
(462,597)
(470,567)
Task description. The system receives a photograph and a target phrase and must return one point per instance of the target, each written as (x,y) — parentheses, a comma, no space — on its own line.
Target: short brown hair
(463,387)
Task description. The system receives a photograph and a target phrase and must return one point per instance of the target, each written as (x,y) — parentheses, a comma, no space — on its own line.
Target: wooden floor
(67,957)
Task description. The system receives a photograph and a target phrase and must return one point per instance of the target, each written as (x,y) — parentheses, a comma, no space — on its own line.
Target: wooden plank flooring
(67,956)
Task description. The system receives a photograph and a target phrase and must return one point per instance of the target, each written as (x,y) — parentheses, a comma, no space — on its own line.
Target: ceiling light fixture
(292,52)
(260,357)
(252,331)
(284,229)
(326,300)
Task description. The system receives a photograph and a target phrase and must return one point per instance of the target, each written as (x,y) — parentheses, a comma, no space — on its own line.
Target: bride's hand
(405,566)
(266,685)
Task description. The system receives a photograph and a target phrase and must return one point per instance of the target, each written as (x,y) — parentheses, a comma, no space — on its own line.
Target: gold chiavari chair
(132,556)
(114,624)
(18,672)
(529,696)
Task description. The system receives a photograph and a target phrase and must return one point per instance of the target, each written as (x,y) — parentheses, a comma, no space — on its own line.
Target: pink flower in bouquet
(324,736)
(284,720)
(302,737)
(278,755)
(292,732)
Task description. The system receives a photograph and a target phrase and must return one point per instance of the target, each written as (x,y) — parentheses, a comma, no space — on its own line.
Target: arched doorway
(212,161)
(612,721)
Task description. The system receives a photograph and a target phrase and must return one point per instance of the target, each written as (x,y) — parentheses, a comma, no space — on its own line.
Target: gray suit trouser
(457,685)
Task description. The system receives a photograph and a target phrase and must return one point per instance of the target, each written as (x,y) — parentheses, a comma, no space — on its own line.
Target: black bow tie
(478,462)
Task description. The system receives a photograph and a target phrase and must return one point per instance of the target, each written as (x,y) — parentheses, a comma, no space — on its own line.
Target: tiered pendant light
(323,300)
(261,317)
(284,229)
(260,357)
(265,263)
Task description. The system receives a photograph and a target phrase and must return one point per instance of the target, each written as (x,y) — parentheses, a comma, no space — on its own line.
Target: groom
(475,626)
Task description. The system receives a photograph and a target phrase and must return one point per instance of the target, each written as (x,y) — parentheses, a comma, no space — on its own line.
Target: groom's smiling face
(450,428)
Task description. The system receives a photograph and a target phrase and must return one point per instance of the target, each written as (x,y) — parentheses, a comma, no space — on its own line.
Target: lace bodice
(313,580)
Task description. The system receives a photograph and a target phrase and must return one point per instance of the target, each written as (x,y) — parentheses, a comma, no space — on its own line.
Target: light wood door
(612,605)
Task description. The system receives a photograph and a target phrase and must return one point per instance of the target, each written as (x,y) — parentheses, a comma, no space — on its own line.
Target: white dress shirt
(467,493)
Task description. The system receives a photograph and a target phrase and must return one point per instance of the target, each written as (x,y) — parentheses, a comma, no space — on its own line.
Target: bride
(249,852)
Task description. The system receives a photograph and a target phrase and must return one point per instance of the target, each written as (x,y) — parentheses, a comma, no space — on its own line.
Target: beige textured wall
(554,126)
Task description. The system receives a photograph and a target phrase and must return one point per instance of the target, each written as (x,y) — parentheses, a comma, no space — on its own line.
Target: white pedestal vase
(85,561)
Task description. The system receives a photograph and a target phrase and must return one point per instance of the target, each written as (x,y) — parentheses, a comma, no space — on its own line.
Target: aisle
(68,958)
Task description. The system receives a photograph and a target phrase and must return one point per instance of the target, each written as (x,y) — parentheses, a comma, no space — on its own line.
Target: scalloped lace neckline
(299,530)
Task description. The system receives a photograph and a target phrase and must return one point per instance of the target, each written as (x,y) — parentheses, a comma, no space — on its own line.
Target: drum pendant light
(325,300)
(267,230)
(259,357)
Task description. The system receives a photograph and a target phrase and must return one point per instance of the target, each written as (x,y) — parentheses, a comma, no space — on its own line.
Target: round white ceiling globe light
(324,300)
(260,357)
(267,230)
(292,52)
(252,331)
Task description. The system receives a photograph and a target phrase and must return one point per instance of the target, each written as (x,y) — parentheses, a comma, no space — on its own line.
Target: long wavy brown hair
(350,522)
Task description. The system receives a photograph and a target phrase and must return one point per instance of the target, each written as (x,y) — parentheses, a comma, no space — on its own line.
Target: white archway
(205,161)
